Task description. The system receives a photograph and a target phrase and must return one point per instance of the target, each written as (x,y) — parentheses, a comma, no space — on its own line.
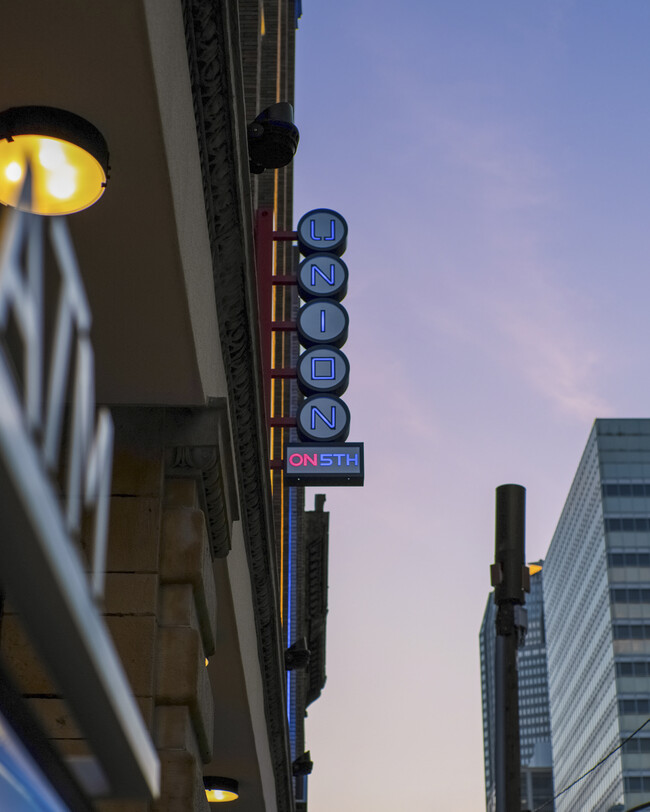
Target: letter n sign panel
(324,464)
(322,276)
(323,419)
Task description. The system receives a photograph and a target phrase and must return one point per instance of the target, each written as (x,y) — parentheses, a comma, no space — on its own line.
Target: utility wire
(595,767)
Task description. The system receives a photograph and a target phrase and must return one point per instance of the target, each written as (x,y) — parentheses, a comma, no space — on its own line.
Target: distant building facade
(535,746)
(597,606)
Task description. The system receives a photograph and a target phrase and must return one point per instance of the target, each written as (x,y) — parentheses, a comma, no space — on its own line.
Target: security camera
(303,765)
(297,656)
(272,138)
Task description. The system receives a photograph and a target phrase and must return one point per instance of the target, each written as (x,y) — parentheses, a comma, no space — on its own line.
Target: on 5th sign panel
(324,464)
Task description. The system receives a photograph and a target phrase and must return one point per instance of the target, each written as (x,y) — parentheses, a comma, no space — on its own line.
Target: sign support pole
(265,236)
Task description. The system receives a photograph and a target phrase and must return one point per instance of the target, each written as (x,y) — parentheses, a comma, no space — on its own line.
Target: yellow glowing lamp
(534,568)
(220,790)
(67,156)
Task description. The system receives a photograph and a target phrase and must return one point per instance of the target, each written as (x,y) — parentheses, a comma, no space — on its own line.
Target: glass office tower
(534,721)
(597,605)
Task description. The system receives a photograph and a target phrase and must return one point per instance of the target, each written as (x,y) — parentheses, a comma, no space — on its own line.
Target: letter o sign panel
(323,418)
(323,370)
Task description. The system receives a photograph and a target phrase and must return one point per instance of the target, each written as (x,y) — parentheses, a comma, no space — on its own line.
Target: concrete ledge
(174,729)
(177,607)
(133,534)
(183,680)
(182,784)
(22,661)
(131,593)
(181,493)
(185,559)
(137,466)
(122,806)
(134,639)
(58,723)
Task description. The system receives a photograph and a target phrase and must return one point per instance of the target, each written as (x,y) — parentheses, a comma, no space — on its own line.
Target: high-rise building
(536,768)
(597,607)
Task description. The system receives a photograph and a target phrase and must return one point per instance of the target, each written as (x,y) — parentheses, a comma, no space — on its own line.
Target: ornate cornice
(217,88)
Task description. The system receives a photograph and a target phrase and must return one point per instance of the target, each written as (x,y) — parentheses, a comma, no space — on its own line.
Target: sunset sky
(492,163)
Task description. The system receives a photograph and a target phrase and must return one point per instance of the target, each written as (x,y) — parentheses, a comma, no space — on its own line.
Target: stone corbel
(197,446)
(203,464)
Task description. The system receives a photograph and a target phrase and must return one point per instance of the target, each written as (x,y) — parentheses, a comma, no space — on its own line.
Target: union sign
(323,419)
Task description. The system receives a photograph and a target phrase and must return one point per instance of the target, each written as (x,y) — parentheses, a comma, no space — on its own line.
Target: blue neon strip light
(290,604)
(315,411)
(331,279)
(312,231)
(317,363)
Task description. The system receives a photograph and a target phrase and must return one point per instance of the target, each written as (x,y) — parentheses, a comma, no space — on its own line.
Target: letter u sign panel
(322,230)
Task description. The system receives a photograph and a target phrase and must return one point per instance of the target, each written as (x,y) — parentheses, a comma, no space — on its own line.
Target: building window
(626,489)
(631,559)
(630,595)
(636,631)
(627,524)
(637,783)
(641,745)
(636,705)
(633,669)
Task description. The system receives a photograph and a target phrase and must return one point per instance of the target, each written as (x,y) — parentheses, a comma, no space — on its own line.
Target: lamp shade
(220,790)
(67,157)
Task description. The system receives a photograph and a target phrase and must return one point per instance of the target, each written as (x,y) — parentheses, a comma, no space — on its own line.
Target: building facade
(534,720)
(213,567)
(596,596)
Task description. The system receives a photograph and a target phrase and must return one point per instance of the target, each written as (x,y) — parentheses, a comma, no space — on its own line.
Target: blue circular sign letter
(322,230)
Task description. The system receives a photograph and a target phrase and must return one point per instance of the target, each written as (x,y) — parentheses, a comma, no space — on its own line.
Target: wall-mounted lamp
(67,155)
(220,790)
(272,138)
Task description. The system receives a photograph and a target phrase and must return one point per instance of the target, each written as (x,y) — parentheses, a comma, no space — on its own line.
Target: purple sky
(491,160)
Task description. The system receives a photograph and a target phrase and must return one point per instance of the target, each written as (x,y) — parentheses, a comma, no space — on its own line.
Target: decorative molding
(217,88)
